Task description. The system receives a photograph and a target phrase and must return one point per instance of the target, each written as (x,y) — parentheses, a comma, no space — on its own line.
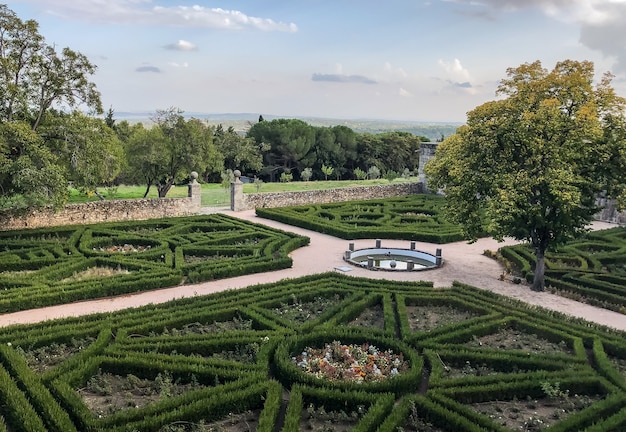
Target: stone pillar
(427,152)
(236,193)
(194,191)
(438,258)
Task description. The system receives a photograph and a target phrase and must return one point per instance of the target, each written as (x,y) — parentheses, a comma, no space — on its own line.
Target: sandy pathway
(463,262)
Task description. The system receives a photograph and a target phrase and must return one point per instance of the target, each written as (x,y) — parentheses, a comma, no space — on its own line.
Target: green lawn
(215,195)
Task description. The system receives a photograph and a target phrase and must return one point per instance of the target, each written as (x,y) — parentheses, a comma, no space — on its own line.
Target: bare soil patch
(372,317)
(513,339)
(43,358)
(318,419)
(429,317)
(534,415)
(301,311)
(95,272)
(107,393)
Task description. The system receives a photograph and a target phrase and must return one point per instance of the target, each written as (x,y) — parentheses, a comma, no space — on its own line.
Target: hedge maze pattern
(478,362)
(49,266)
(591,269)
(414,217)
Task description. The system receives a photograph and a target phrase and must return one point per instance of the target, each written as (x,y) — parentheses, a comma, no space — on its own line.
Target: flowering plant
(352,363)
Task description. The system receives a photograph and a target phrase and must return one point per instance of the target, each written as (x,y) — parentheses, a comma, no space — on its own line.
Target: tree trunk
(540,267)
(163,189)
(98,194)
(147,190)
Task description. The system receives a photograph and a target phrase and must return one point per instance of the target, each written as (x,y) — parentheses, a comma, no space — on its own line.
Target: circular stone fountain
(392,259)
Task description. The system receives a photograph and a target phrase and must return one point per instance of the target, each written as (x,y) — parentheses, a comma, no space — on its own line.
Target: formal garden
(327,352)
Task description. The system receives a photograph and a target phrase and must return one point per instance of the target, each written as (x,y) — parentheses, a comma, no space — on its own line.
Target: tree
(47,91)
(35,78)
(534,161)
(238,151)
(90,151)
(187,146)
(167,152)
(360,174)
(327,170)
(373,172)
(29,173)
(285,143)
(306,174)
(144,156)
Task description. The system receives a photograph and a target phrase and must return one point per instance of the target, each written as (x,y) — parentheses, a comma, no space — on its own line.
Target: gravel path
(462,262)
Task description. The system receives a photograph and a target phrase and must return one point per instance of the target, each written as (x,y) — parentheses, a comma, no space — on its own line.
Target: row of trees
(282,149)
(53,133)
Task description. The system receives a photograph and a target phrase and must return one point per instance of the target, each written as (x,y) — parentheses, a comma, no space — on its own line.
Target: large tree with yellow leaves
(534,160)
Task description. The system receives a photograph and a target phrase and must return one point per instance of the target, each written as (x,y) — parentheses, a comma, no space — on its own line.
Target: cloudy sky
(421,60)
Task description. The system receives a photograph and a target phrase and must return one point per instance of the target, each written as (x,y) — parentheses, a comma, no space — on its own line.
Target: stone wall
(610,213)
(101,211)
(427,152)
(284,199)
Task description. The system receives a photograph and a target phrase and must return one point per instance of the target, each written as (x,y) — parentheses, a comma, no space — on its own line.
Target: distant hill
(241,122)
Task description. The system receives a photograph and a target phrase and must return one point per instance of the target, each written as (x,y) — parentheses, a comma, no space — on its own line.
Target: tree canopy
(534,161)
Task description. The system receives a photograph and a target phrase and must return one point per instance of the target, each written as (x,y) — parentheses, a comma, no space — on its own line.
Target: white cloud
(581,11)
(182,45)
(454,70)
(179,65)
(142,13)
(602,23)
(404,93)
(396,71)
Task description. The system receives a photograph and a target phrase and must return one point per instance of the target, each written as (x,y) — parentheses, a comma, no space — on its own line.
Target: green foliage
(30,175)
(51,266)
(360,174)
(306,174)
(187,355)
(588,269)
(416,217)
(535,159)
(35,77)
(237,151)
(286,177)
(391,175)
(327,170)
(373,172)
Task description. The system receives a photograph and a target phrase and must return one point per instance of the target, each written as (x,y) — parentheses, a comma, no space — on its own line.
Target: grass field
(216,195)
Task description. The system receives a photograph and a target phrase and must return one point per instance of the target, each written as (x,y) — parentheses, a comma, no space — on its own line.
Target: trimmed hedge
(414,217)
(43,267)
(200,340)
(590,269)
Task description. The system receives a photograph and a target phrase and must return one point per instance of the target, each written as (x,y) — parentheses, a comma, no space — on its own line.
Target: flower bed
(352,362)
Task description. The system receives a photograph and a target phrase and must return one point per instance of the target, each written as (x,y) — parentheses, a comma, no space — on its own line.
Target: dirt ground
(463,262)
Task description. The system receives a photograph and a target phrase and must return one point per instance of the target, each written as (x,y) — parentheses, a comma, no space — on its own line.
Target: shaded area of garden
(403,356)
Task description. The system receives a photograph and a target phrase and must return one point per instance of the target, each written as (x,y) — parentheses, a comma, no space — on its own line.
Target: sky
(410,60)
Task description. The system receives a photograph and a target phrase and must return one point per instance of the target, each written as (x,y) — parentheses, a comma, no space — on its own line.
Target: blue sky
(430,61)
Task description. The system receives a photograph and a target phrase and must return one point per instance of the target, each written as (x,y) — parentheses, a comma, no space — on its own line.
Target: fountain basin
(392,259)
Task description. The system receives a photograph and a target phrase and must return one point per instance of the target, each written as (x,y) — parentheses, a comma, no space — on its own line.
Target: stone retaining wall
(610,213)
(102,211)
(284,199)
